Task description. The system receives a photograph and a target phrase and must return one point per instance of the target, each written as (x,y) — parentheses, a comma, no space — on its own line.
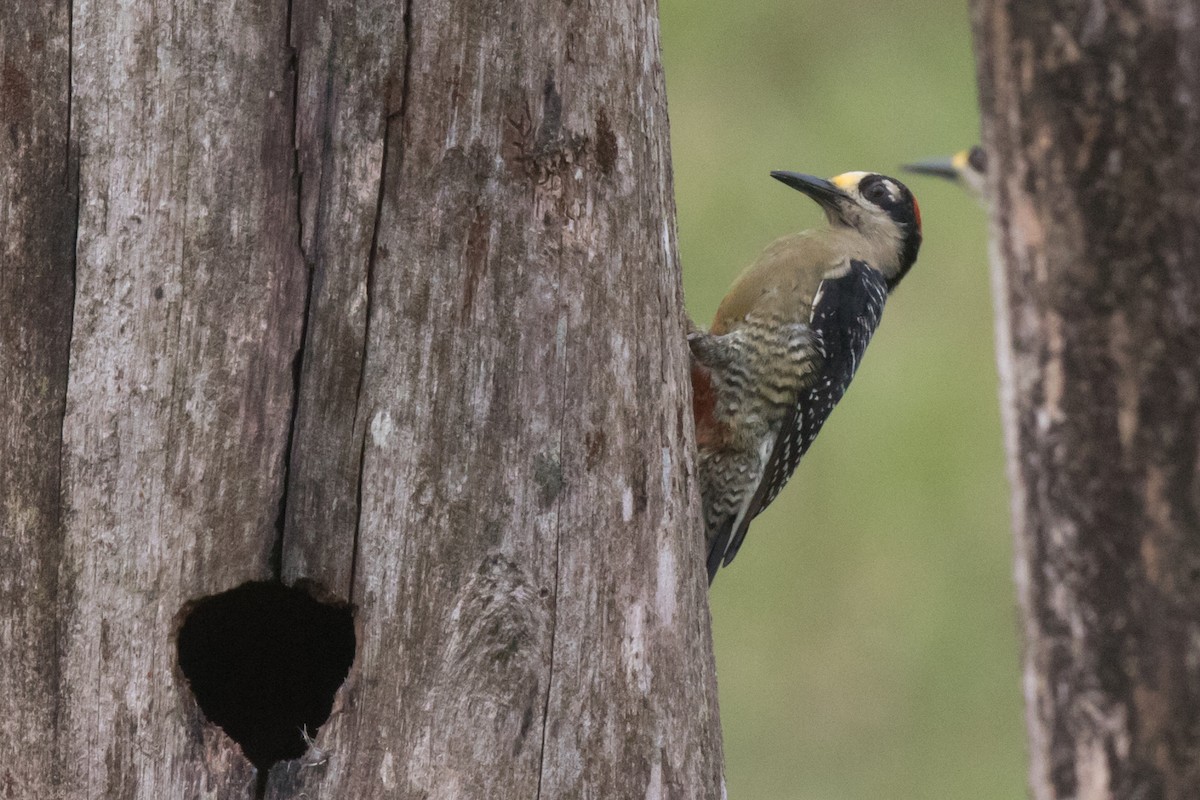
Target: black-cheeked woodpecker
(967,168)
(786,341)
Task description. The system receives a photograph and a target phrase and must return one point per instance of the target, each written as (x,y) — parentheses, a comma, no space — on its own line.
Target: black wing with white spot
(845,315)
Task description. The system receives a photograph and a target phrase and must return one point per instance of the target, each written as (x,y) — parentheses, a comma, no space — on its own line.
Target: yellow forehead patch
(847,180)
(959,160)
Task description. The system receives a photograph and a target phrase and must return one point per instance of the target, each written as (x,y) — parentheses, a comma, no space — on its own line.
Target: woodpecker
(967,168)
(786,341)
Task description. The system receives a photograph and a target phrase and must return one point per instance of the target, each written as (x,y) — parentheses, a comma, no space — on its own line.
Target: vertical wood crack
(562,436)
(360,418)
(553,632)
(71,181)
(276,555)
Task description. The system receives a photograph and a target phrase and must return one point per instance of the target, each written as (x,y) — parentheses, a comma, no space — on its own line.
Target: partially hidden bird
(786,342)
(967,168)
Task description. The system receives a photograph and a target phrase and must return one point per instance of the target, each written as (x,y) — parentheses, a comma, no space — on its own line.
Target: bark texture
(494,464)
(1091,122)
(188,309)
(381,295)
(37,240)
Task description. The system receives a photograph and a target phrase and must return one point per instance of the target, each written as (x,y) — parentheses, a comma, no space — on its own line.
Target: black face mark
(876,192)
(977,159)
(902,208)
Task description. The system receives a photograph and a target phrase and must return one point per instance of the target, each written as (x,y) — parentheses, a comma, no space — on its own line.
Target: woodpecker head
(881,210)
(967,168)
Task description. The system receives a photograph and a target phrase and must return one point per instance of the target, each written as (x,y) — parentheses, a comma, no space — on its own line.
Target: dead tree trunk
(508,403)
(1091,120)
(381,295)
(37,240)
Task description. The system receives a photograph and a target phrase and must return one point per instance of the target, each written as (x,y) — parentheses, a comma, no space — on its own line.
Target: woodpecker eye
(877,193)
(977,158)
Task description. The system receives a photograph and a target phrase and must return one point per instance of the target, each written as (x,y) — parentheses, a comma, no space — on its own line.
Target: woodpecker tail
(715,557)
(718,545)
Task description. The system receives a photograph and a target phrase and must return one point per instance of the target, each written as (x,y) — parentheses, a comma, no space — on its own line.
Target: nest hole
(264,661)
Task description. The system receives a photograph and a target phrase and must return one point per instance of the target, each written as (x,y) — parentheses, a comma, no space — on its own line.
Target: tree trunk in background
(1091,122)
(376,294)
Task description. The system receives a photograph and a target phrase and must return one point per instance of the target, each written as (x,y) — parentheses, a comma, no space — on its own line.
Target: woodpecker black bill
(941,167)
(827,194)
(786,342)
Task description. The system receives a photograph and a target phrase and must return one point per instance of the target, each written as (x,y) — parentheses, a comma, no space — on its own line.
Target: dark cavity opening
(264,661)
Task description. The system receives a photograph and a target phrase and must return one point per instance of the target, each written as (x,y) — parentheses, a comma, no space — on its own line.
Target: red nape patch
(917,212)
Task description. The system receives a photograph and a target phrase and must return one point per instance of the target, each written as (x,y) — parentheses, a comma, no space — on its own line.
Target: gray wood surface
(521,540)
(1091,122)
(37,239)
(188,309)
(378,294)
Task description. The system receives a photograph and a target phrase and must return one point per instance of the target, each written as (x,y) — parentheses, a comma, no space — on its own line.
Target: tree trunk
(1091,124)
(37,240)
(188,309)
(379,295)
(497,373)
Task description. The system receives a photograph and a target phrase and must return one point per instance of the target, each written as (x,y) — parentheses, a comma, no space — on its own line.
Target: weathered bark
(188,309)
(377,294)
(37,239)
(1091,122)
(496,383)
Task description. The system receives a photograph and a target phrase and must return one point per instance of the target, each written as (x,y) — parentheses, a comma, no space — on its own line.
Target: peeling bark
(1091,124)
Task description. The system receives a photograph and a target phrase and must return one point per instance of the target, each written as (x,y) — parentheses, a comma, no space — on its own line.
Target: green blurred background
(866,635)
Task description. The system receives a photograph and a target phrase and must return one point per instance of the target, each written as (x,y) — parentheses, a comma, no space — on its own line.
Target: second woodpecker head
(967,168)
(878,209)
